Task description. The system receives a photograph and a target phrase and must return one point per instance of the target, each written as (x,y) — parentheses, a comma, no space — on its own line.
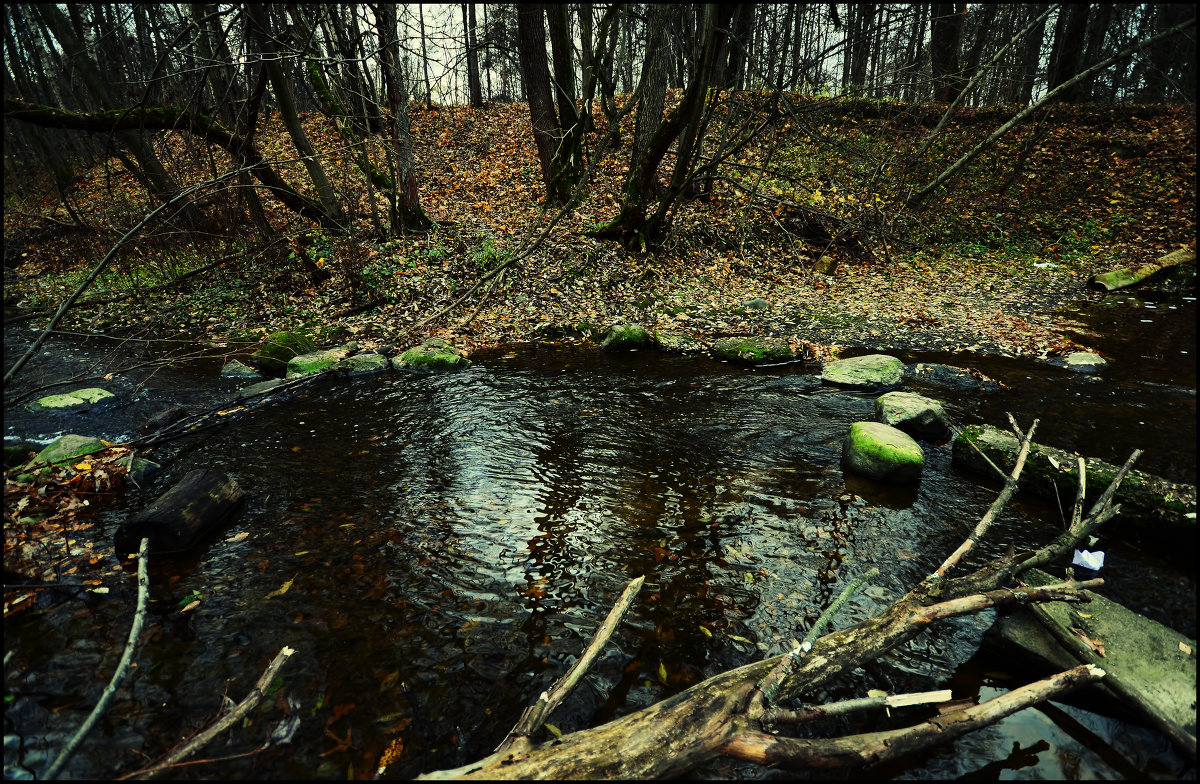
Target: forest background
(511,172)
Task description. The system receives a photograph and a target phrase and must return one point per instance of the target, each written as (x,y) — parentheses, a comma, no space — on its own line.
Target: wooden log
(1119,279)
(176,521)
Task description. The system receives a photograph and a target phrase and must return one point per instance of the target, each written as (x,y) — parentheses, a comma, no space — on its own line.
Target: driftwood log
(738,713)
(1119,279)
(173,523)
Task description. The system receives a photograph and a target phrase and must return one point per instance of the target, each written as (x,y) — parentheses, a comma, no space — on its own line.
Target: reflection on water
(438,549)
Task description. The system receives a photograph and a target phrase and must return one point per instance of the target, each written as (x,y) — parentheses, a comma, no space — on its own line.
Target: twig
(985,522)
(765,690)
(535,715)
(135,631)
(858,751)
(233,717)
(846,707)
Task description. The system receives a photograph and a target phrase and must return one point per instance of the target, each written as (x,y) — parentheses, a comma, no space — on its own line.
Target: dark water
(449,543)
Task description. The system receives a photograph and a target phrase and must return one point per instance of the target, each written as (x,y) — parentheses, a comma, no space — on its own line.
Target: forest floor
(981,267)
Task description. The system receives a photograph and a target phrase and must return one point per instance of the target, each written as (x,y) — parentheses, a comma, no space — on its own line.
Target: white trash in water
(1088,560)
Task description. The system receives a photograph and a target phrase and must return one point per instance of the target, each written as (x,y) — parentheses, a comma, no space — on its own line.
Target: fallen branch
(230,719)
(135,631)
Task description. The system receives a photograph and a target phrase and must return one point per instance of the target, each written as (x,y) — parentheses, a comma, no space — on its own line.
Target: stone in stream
(77,401)
(915,414)
(277,350)
(752,350)
(951,377)
(625,337)
(432,354)
(882,452)
(236,369)
(872,372)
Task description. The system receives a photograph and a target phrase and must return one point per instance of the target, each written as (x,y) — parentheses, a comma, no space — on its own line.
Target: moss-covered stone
(433,354)
(18,454)
(68,447)
(79,400)
(882,452)
(277,350)
(625,337)
(1052,473)
(365,364)
(752,350)
(872,371)
(678,343)
(914,414)
(316,362)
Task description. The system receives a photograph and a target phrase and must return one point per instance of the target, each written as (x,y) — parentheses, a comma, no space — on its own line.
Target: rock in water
(882,452)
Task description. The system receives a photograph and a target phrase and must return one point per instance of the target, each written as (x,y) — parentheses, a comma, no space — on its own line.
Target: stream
(438,549)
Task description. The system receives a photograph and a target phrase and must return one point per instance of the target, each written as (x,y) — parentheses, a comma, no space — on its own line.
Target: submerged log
(1119,279)
(176,521)
(1052,474)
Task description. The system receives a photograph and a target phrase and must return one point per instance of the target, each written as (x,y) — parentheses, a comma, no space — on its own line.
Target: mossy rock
(752,350)
(872,371)
(277,350)
(68,447)
(365,364)
(1052,474)
(79,400)
(882,452)
(316,362)
(678,343)
(625,337)
(916,415)
(433,354)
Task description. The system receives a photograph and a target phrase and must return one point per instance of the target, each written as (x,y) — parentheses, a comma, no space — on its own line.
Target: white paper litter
(1088,560)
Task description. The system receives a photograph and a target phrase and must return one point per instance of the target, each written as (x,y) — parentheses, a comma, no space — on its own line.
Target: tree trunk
(560,168)
(474,88)
(282,88)
(634,226)
(406,212)
(175,120)
(944,43)
(653,89)
(1068,50)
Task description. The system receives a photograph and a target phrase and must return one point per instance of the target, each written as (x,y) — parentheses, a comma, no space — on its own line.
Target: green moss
(753,350)
(277,350)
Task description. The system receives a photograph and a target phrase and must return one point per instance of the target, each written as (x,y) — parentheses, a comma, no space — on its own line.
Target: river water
(438,550)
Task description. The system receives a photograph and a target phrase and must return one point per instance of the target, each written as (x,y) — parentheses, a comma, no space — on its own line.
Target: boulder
(365,364)
(235,369)
(1084,362)
(882,452)
(277,350)
(315,362)
(951,377)
(915,414)
(678,343)
(752,350)
(625,337)
(167,416)
(871,372)
(73,402)
(433,354)
(758,303)
(68,447)
(1051,473)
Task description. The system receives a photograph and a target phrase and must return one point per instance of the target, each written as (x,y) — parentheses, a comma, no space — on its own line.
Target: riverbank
(982,268)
